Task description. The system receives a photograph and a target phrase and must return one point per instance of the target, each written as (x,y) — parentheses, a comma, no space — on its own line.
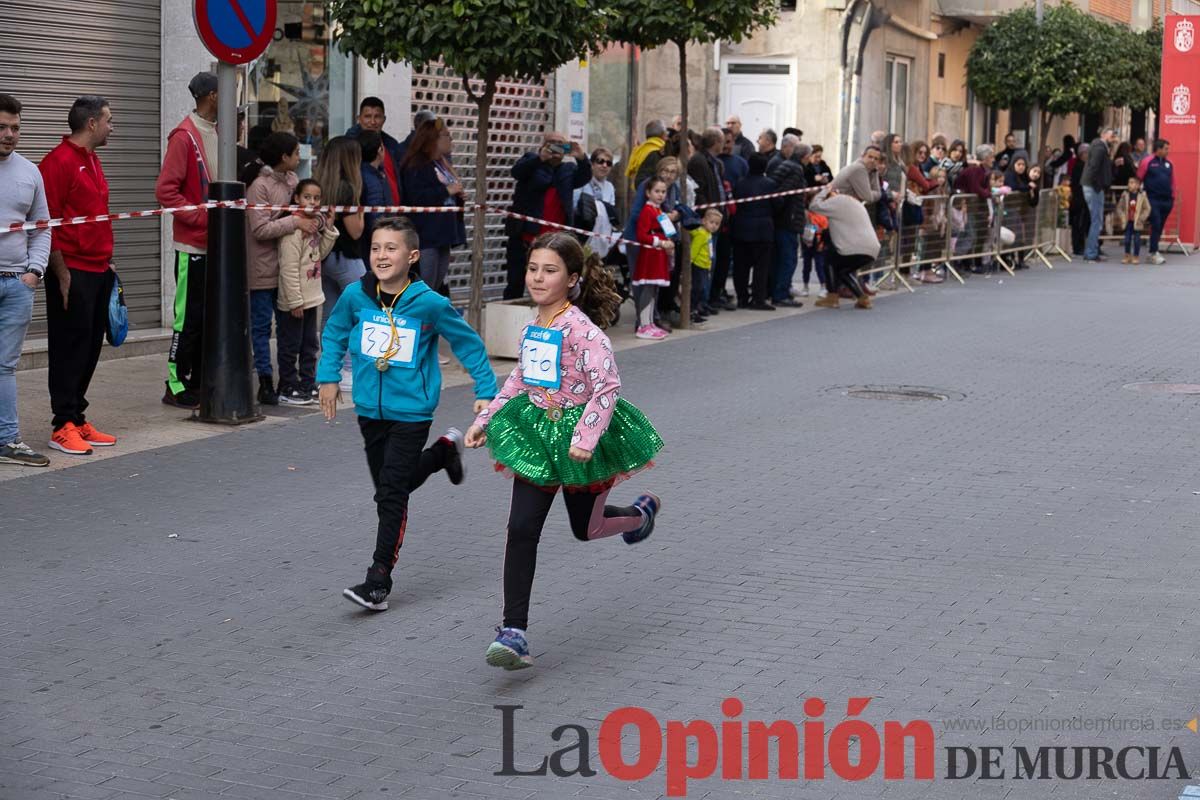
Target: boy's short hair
(708,212)
(401,225)
(304,184)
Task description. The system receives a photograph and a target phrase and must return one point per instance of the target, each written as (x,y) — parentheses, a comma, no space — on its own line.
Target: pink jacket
(589,378)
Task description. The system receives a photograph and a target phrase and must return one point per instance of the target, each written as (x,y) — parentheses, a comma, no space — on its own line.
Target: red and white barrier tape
(772,195)
(44,224)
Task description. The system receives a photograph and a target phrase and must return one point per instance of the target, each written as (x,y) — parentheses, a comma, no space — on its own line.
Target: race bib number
(668,227)
(378,337)
(540,352)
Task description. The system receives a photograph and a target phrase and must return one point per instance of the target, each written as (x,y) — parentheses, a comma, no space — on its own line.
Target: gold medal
(393,347)
(554,413)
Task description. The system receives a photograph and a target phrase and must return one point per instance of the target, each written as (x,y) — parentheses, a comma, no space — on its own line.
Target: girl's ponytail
(598,297)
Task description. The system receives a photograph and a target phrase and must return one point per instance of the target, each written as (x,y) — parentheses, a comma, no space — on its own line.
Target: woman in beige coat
(276,182)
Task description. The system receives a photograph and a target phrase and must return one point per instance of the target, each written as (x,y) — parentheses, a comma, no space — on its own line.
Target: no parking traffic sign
(235,31)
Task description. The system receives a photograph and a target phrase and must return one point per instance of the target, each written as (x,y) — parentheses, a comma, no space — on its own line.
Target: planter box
(503,322)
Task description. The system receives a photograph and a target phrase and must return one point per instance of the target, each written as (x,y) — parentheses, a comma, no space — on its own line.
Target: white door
(761,93)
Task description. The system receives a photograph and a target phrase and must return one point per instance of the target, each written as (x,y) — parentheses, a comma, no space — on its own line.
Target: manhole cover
(904,394)
(1161,387)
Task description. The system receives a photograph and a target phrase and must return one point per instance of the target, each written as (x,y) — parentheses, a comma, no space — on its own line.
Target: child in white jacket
(300,296)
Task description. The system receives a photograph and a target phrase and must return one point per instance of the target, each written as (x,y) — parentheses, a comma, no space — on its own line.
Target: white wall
(571,78)
(394,87)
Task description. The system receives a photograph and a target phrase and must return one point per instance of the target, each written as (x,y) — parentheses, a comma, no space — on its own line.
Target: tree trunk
(479,227)
(685,265)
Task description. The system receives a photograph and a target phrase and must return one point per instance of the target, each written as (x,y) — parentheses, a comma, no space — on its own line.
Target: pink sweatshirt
(589,378)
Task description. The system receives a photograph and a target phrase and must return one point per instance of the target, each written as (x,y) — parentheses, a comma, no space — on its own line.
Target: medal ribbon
(394,341)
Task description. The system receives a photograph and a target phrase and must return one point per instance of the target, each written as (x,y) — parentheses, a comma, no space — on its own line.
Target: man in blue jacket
(1158,179)
(372,118)
(753,236)
(375,191)
(546,184)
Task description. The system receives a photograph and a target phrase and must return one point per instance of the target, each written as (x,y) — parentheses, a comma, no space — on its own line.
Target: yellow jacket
(651,145)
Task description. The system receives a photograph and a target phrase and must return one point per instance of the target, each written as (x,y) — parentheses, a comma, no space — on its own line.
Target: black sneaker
(455,469)
(294,396)
(266,391)
(313,390)
(649,505)
(23,454)
(371,596)
(184,399)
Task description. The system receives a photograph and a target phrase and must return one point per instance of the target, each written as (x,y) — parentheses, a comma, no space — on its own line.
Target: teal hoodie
(404,394)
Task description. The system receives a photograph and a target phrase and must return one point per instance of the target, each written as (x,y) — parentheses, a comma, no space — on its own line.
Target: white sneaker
(804,291)
(1157,259)
(822,293)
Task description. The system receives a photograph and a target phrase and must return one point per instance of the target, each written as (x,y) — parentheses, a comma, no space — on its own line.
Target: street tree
(681,22)
(482,41)
(1071,63)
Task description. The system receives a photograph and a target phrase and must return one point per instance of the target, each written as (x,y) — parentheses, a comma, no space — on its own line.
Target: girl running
(558,422)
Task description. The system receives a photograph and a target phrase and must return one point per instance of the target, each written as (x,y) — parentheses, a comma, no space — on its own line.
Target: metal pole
(227,122)
(226,393)
(1036,134)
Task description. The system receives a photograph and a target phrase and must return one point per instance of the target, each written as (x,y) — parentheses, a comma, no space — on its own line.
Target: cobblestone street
(173,624)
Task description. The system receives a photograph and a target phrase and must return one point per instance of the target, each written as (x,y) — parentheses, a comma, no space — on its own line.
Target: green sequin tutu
(531,446)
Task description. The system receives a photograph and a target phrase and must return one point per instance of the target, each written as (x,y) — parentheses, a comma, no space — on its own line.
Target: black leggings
(590,519)
(399,462)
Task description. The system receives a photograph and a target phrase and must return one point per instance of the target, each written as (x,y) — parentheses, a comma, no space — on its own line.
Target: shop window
(302,84)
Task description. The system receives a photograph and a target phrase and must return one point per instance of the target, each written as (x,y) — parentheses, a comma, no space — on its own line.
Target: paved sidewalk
(125,396)
(173,624)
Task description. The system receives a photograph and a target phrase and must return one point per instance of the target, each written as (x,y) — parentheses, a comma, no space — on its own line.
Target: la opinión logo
(734,749)
(632,745)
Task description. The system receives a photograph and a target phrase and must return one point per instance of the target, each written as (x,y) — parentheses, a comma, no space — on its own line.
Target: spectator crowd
(743,253)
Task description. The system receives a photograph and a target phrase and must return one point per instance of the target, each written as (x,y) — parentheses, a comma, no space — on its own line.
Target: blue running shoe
(649,505)
(510,650)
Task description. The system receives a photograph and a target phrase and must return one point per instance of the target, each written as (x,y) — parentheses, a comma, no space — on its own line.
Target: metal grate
(110,49)
(900,393)
(521,114)
(1163,387)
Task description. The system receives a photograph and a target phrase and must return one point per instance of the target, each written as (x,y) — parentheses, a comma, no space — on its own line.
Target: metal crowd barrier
(973,227)
(1050,218)
(1017,236)
(923,238)
(944,231)
(1111,230)
(888,249)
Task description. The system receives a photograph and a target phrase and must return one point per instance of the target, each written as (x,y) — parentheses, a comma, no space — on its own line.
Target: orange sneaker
(94,437)
(67,440)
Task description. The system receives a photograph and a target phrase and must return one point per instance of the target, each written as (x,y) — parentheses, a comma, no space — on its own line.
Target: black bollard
(226,392)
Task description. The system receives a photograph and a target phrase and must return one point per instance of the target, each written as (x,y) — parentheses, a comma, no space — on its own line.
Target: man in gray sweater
(860,179)
(1097,179)
(23,258)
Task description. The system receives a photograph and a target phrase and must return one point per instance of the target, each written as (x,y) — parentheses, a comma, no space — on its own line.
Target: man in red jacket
(81,276)
(188,167)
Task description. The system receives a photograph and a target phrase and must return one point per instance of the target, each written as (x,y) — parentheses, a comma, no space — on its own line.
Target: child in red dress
(653,267)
